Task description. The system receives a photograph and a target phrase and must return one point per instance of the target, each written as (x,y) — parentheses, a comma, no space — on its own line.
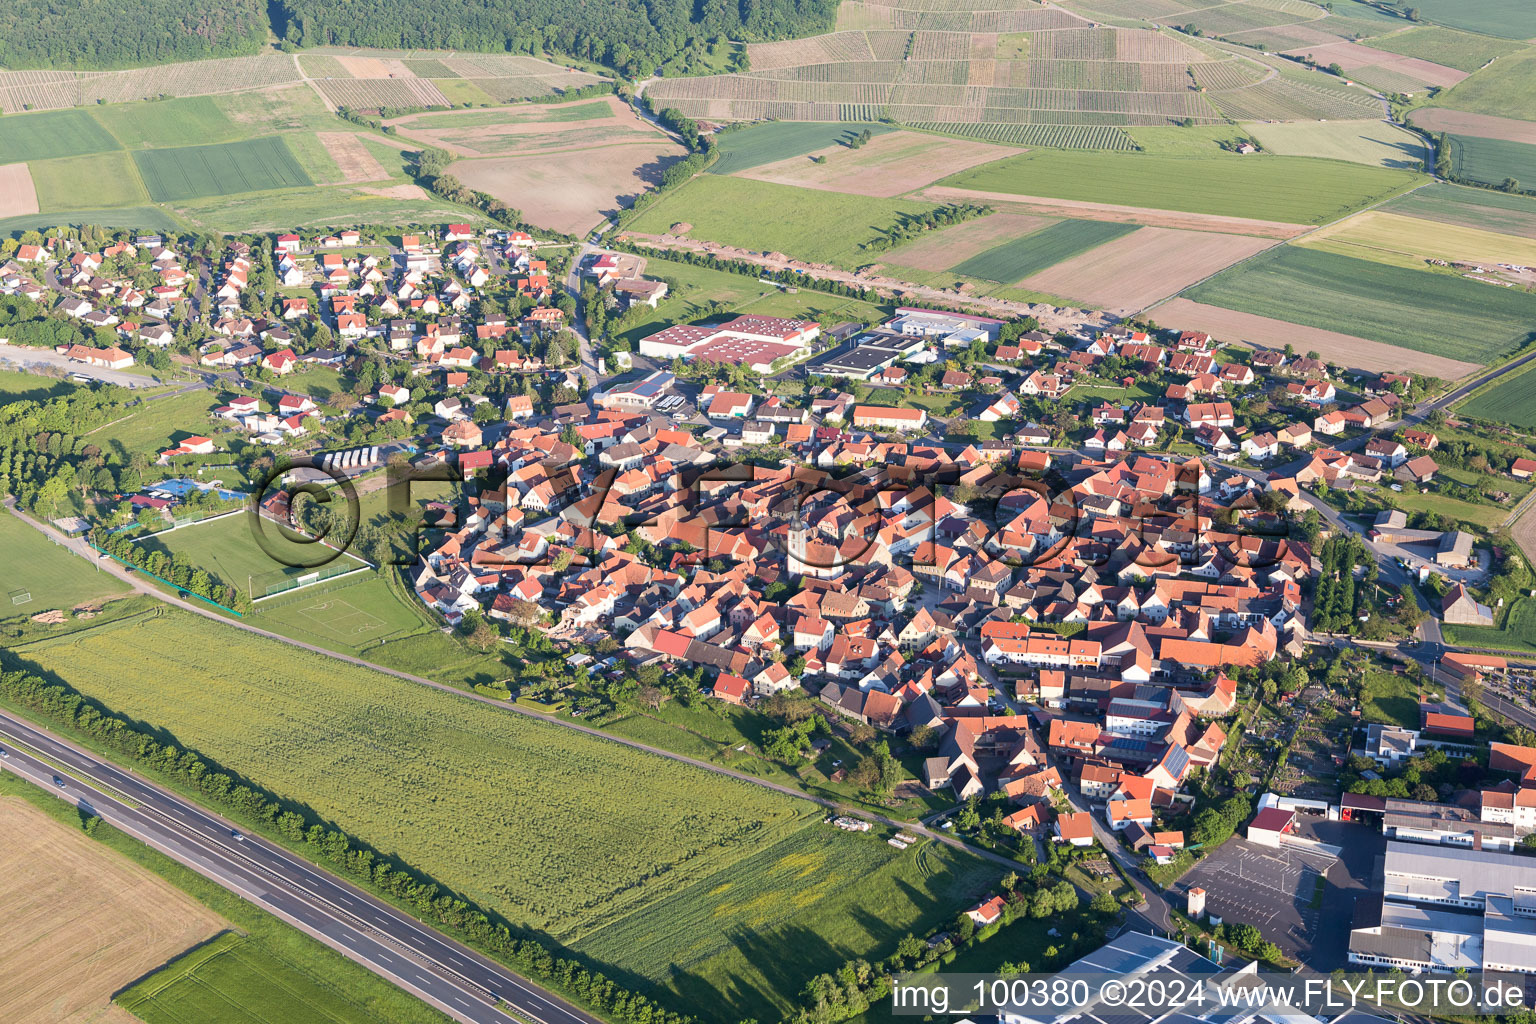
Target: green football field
(39,575)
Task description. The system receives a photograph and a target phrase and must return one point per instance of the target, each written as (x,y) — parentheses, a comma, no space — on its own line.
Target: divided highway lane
(450,976)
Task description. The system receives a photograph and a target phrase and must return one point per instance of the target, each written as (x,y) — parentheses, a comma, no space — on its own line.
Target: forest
(634,36)
(44,34)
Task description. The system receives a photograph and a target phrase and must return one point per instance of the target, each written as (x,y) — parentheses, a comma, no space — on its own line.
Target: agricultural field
(1511,400)
(305,961)
(890,165)
(1459,122)
(1034,252)
(367,79)
(340,206)
(193,172)
(620,832)
(1294,190)
(1059,136)
(1469,207)
(54,134)
(1511,19)
(80,921)
(49,576)
(18,196)
(1407,242)
(762,144)
(824,227)
(1375,143)
(1128,274)
(1381,69)
(942,249)
(193,121)
(564,192)
(1036,76)
(101,181)
(1463,51)
(233,980)
(518,131)
(51,90)
(1507,88)
(1333,346)
(771,941)
(1492,161)
(142,217)
(1440,314)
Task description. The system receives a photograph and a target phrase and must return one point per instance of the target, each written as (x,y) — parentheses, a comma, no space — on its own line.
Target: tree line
(633,36)
(40,33)
(61,705)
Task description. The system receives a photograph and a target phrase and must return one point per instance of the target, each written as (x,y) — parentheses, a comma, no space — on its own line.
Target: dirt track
(1122,214)
(1051,318)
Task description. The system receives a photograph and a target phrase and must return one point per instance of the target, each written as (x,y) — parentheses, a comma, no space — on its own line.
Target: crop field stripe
(230,168)
(1021,257)
(1420,310)
(1511,400)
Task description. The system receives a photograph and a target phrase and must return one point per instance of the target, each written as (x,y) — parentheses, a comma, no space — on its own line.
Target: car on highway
(58,782)
(4,752)
(234,833)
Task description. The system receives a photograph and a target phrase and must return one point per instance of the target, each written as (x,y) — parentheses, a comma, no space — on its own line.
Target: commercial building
(637,394)
(1446,909)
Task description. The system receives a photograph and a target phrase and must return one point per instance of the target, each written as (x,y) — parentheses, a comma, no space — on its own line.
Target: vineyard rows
(935,21)
(1023,21)
(946,5)
(44,90)
(859,112)
(854,71)
(1282,100)
(941,46)
(1219,76)
(854,16)
(937,72)
(1052,135)
(365,94)
(838,46)
(888,45)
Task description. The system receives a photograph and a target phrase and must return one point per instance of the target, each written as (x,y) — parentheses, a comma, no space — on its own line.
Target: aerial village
(1060,554)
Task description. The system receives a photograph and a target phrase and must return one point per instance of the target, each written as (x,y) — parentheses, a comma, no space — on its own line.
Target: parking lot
(1278,890)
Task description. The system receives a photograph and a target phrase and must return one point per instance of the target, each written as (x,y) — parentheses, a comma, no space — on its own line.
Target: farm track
(81,548)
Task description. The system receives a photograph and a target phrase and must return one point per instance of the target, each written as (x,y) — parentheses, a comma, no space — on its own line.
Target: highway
(387,941)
